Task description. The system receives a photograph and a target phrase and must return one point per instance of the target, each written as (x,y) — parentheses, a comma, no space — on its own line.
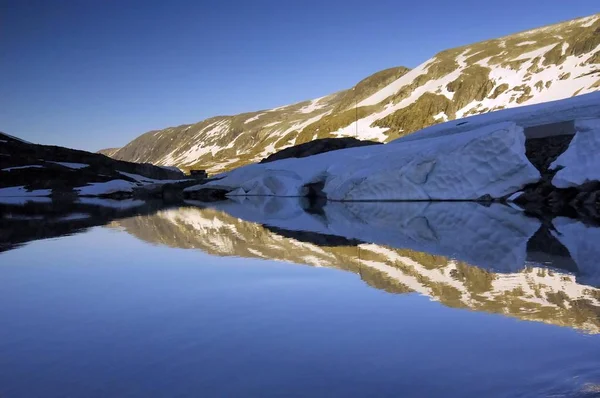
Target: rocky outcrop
(42,170)
(317,146)
(546,198)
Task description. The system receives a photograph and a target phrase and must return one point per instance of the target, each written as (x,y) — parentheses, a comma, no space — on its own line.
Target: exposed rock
(208,194)
(544,248)
(314,237)
(61,170)
(317,146)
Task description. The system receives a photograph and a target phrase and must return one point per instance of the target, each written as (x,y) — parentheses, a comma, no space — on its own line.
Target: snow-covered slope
(540,65)
(483,155)
(486,161)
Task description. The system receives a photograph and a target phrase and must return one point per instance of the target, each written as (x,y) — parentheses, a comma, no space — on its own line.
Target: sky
(91,74)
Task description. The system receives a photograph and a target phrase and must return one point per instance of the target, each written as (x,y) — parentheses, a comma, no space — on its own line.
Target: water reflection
(461,254)
(464,255)
(26,219)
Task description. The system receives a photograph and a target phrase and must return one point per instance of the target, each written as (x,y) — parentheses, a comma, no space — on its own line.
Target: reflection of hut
(198,173)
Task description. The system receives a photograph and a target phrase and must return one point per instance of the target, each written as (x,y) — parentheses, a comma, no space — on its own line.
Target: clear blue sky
(97,73)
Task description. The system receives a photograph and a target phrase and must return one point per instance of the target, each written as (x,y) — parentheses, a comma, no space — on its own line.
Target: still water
(265,299)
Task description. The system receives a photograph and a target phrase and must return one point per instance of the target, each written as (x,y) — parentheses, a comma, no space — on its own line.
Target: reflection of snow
(112,203)
(21,191)
(31,166)
(493,237)
(583,243)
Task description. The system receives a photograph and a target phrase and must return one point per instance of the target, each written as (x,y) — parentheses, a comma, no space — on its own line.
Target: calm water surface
(201,302)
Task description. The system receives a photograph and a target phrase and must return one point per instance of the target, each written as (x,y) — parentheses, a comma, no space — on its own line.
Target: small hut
(200,174)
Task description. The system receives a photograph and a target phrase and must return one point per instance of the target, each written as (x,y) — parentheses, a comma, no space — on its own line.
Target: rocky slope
(31,170)
(108,151)
(540,65)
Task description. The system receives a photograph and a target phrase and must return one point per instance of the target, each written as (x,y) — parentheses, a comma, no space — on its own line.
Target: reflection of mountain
(532,292)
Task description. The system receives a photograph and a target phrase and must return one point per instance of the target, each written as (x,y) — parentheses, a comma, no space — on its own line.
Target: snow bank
(489,160)
(581,160)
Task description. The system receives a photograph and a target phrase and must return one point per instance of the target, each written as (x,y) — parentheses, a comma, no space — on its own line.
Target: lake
(279,298)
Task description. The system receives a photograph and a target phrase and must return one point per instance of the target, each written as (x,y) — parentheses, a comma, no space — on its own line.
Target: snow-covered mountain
(540,65)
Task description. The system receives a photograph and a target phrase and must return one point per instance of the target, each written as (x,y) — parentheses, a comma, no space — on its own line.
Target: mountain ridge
(539,65)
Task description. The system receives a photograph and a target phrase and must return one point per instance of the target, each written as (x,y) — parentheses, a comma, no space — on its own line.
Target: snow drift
(489,160)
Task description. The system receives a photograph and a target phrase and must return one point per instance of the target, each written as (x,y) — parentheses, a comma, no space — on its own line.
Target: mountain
(31,170)
(539,65)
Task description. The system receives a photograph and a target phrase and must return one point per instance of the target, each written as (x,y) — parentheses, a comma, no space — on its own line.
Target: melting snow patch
(535,53)
(254,118)
(138,178)
(70,165)
(525,43)
(32,166)
(312,106)
(105,188)
(441,116)
(396,85)
(589,21)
